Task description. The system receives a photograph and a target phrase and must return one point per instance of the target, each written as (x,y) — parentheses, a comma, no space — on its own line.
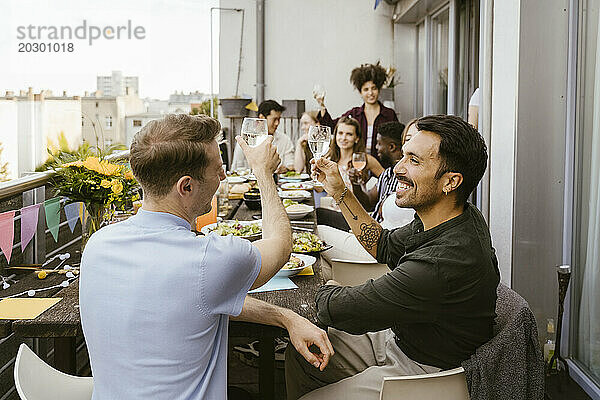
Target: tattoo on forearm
(354,217)
(369,234)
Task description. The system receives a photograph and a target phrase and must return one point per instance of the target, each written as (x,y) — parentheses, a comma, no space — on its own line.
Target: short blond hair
(169,148)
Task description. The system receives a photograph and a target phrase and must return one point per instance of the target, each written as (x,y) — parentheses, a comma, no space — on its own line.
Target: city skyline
(174,55)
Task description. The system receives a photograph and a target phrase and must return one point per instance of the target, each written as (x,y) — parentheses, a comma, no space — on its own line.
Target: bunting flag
(52,209)
(72,214)
(7,231)
(29,221)
(376,4)
(82,213)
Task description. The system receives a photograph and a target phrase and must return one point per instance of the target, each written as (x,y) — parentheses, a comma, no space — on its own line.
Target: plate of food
(294,194)
(235,179)
(297,186)
(296,210)
(294,176)
(296,264)
(308,243)
(250,230)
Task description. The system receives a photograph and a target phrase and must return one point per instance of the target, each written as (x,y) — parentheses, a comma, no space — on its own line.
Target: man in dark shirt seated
(436,306)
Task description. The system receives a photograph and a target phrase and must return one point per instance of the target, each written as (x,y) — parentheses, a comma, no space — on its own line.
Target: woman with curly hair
(368,80)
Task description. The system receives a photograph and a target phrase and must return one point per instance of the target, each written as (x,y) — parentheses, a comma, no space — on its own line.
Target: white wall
(306,42)
(505,61)
(8,136)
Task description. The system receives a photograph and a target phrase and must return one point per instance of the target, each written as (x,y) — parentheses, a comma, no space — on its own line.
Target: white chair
(447,385)
(36,380)
(356,272)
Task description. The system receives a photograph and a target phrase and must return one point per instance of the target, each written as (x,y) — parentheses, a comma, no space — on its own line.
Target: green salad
(291,174)
(235,228)
(306,242)
(289,202)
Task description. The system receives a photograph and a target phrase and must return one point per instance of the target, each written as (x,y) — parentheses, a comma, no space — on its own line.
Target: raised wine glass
(254,131)
(319,137)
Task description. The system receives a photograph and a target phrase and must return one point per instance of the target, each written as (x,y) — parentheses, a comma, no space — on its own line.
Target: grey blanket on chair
(510,366)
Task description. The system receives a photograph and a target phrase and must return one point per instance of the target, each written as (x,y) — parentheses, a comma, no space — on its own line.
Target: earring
(445,192)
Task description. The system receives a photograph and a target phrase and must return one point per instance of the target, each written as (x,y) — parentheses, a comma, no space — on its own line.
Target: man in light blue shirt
(155,299)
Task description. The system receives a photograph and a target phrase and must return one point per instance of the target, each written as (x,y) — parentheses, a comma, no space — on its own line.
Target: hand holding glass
(254,131)
(319,137)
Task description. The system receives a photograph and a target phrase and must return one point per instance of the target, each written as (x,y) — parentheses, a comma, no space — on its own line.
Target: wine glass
(254,131)
(319,137)
(359,161)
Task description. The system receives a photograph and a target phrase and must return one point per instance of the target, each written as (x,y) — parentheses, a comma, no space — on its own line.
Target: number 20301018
(46,47)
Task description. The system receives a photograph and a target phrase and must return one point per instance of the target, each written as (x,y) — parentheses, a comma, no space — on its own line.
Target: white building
(182,103)
(133,123)
(103,122)
(117,84)
(32,123)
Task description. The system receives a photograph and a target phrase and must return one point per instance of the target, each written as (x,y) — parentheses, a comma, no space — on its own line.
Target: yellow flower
(102,167)
(117,187)
(129,175)
(105,184)
(77,163)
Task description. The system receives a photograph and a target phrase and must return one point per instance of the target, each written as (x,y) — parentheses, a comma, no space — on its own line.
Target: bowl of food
(252,199)
(298,195)
(296,264)
(297,186)
(308,243)
(296,210)
(250,230)
(293,176)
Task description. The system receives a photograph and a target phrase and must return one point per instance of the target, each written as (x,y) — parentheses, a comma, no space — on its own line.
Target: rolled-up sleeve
(408,294)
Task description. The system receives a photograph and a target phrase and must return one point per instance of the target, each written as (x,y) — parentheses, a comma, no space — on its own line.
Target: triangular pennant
(52,209)
(82,213)
(72,213)
(29,221)
(7,231)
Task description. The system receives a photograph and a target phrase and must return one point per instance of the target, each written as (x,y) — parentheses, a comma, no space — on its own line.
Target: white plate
(207,228)
(301,177)
(250,177)
(300,214)
(294,194)
(235,179)
(297,186)
(308,261)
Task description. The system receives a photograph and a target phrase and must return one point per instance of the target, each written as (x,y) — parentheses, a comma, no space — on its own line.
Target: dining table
(63,323)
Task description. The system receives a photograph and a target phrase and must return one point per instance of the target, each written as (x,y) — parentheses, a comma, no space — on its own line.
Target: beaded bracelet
(337,203)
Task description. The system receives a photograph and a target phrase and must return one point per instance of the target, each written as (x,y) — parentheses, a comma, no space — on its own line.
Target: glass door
(440,31)
(585,290)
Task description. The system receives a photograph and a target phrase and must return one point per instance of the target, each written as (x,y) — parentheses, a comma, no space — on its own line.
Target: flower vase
(94,217)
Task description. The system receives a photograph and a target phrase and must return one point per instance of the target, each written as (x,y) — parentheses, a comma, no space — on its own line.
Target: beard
(418,199)
(386,160)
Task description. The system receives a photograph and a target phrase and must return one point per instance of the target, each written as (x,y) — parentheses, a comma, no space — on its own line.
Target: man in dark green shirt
(437,304)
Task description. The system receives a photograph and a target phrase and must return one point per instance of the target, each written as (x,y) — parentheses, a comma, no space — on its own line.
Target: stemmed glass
(359,162)
(319,137)
(254,131)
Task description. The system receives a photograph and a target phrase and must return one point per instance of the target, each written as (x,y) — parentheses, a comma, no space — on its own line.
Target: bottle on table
(550,341)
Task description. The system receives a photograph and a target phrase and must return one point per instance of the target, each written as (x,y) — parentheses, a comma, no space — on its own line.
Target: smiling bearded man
(437,303)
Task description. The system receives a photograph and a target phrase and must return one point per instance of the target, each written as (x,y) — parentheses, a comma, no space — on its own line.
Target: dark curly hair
(368,72)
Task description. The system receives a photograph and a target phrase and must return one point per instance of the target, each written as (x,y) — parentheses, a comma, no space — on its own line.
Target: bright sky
(173,56)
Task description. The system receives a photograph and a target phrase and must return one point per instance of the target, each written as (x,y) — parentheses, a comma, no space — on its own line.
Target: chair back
(447,385)
(510,365)
(356,272)
(36,380)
